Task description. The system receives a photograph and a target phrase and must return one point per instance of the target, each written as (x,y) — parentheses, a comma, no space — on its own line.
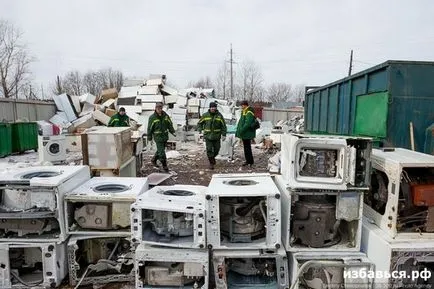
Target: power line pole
(351,63)
(232,76)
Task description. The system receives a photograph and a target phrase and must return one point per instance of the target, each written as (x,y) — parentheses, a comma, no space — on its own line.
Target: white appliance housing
(172,216)
(243,212)
(128,170)
(31,202)
(331,162)
(101,206)
(329,266)
(52,148)
(391,256)
(94,251)
(254,268)
(48,260)
(159,267)
(307,217)
(392,177)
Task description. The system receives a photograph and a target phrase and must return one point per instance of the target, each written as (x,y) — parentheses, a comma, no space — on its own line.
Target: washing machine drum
(54,148)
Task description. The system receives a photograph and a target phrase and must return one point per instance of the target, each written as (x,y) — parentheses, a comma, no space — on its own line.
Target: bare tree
(204,82)
(14,61)
(93,82)
(278,92)
(298,93)
(73,83)
(251,81)
(223,82)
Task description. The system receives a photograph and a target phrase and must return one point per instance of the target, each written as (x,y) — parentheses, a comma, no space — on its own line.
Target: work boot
(154,161)
(211,163)
(165,168)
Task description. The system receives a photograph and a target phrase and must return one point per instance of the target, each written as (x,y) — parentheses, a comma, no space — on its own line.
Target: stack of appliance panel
(97,216)
(398,227)
(168,228)
(33,235)
(244,232)
(322,182)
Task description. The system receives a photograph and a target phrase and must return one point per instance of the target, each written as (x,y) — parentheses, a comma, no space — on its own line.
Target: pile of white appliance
(398,227)
(323,181)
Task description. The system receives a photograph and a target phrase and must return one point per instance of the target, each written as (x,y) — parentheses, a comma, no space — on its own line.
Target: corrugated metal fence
(24,109)
(274,114)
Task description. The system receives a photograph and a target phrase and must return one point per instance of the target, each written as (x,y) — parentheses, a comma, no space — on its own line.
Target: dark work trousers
(160,154)
(247,144)
(212,148)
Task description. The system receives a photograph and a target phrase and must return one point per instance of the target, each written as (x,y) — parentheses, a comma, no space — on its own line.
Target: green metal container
(379,102)
(5,140)
(24,136)
(429,140)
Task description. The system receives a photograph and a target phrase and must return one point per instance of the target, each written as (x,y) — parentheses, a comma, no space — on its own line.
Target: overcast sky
(299,42)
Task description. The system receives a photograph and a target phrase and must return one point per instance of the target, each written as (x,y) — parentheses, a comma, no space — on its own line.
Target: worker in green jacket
(159,126)
(119,119)
(246,131)
(213,126)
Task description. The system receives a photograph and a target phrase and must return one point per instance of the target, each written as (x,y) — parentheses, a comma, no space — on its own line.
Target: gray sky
(292,41)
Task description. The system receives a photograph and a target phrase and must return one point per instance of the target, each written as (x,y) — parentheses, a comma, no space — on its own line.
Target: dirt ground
(191,168)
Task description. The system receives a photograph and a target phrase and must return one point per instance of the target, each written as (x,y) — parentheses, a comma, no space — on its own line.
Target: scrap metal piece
(94,216)
(315,223)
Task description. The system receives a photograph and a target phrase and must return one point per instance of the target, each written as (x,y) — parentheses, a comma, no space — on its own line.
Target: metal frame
(54,264)
(219,256)
(52,188)
(145,253)
(353,198)
(120,203)
(348,261)
(292,144)
(155,199)
(264,187)
(104,279)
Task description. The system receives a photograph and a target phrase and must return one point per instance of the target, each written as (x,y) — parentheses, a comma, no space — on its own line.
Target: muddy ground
(191,168)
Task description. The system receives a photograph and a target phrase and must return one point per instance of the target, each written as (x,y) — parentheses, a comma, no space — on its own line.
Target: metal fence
(27,110)
(274,114)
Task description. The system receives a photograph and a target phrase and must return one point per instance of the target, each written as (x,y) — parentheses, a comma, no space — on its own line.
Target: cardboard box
(107,94)
(85,121)
(110,112)
(110,103)
(101,117)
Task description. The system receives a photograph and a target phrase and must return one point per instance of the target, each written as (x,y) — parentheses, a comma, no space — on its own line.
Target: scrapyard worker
(119,119)
(246,131)
(159,126)
(213,126)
